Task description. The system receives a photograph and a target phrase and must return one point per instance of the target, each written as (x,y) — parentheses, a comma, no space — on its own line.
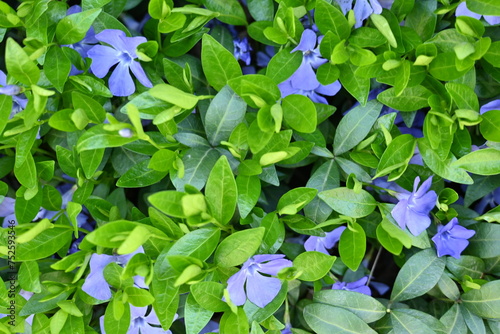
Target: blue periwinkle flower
(451,239)
(140,323)
(304,82)
(357,286)
(322,244)
(363,8)
(260,289)
(491,200)
(122,54)
(309,45)
(462,10)
(242,50)
(413,209)
(492,105)
(18,101)
(95,285)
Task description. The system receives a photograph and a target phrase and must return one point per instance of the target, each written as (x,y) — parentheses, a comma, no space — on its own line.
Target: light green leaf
(481,162)
(219,65)
(300,113)
(221,191)
(313,265)
(327,319)
(348,202)
(418,275)
(19,65)
(72,28)
(239,247)
(354,126)
(484,302)
(352,246)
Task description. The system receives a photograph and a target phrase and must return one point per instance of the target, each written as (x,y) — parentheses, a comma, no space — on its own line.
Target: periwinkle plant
(270,166)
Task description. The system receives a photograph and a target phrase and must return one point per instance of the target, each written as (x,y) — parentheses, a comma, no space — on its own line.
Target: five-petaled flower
(413,208)
(122,53)
(309,45)
(451,239)
(357,286)
(322,244)
(95,285)
(260,289)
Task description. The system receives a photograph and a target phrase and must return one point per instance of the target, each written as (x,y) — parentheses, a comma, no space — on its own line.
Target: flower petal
(140,74)
(262,290)
(120,81)
(307,41)
(462,10)
(235,288)
(274,267)
(103,57)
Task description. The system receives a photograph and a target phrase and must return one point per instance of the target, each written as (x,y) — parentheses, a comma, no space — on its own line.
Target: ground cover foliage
(258,166)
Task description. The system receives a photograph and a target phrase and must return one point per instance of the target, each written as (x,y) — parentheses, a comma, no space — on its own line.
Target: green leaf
(405,323)
(225,112)
(398,154)
(61,120)
(357,86)
(72,28)
(329,18)
(294,200)
(168,202)
(300,113)
(418,275)
(29,277)
(481,162)
(352,246)
(5,110)
(234,323)
(195,315)
(256,89)
(325,177)
(230,11)
(19,65)
(412,98)
(389,242)
(283,64)
(93,109)
(57,67)
(221,191)
(463,96)
(140,175)
(26,173)
(443,67)
(484,242)
(354,126)
(166,300)
(44,244)
(261,10)
(474,323)
(219,65)
(484,302)
(209,296)
(90,161)
(199,243)
(138,297)
(198,163)
(52,199)
(383,26)
(96,137)
(118,325)
(174,96)
(490,125)
(239,247)
(327,319)
(422,19)
(454,321)
(445,168)
(313,265)
(485,7)
(366,307)
(348,202)
(248,193)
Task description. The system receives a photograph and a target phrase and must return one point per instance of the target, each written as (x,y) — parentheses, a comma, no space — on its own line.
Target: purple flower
(451,239)
(363,8)
(95,285)
(260,290)
(242,50)
(322,244)
(122,52)
(491,200)
(309,45)
(140,322)
(358,286)
(19,102)
(263,57)
(493,105)
(462,10)
(304,82)
(413,208)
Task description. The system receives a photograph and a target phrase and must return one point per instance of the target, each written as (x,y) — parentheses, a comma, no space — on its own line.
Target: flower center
(126,58)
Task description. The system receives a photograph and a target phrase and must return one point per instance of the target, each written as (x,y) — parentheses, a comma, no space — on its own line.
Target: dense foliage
(258,166)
